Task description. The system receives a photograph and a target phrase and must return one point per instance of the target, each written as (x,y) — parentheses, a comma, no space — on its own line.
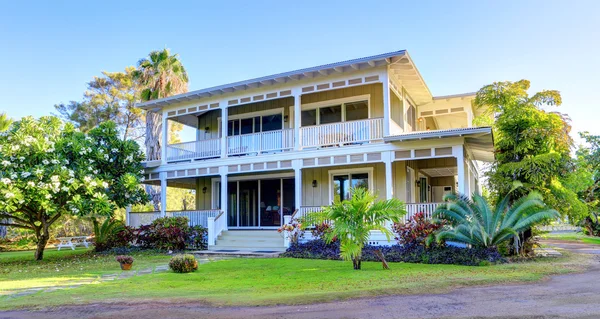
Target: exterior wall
(285,103)
(397,111)
(375,90)
(211,120)
(443,181)
(203,201)
(319,196)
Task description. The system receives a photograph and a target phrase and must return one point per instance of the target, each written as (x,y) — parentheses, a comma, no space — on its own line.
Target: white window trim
(362,170)
(413,189)
(279,110)
(342,102)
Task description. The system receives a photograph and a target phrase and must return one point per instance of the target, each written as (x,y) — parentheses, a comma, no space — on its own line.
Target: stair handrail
(216,225)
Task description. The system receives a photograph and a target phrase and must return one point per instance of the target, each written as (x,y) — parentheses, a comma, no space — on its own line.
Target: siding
(203,201)
(208,120)
(397,110)
(375,90)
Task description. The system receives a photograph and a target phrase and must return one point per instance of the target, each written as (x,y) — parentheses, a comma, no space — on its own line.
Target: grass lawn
(580,237)
(287,281)
(18,270)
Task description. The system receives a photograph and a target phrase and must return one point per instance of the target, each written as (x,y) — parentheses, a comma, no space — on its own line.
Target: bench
(71,242)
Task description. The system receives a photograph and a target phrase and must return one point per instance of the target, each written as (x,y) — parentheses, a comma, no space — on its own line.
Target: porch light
(418,183)
(206,129)
(314,183)
(285,118)
(204,189)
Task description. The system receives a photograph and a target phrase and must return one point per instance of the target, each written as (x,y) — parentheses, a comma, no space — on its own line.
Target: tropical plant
(183,263)
(4,122)
(418,230)
(355,218)
(106,233)
(160,75)
(476,223)
(49,169)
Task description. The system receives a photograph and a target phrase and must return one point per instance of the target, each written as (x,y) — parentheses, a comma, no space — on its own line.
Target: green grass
(579,237)
(295,281)
(18,270)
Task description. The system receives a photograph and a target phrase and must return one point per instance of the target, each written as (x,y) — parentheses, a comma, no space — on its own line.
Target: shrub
(183,263)
(417,230)
(106,234)
(321,230)
(166,233)
(318,249)
(197,237)
(123,259)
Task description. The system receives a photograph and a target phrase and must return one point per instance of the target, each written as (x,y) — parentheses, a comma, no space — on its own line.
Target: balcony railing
(342,133)
(263,142)
(196,217)
(425,208)
(194,150)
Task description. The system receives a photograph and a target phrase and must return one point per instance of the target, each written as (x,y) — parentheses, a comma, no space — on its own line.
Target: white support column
(127,212)
(389,176)
(470,116)
(165,138)
(297,165)
(297,119)
(224,122)
(457,152)
(163,194)
(386,103)
(223,173)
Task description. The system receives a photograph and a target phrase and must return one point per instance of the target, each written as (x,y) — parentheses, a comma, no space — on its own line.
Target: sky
(51,49)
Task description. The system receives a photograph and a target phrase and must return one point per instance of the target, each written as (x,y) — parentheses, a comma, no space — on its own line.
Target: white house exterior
(289,143)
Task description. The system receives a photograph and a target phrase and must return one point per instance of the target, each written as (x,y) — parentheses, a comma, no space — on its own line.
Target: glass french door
(260,203)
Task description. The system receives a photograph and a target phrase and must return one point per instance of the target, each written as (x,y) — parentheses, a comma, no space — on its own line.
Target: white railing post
(224,123)
(297,119)
(163,194)
(458,153)
(386,103)
(127,215)
(165,138)
(224,195)
(211,231)
(286,234)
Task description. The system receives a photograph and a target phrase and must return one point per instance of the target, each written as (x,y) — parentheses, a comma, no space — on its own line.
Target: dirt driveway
(566,296)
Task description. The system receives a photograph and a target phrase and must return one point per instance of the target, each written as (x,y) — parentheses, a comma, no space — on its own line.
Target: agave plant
(476,223)
(104,232)
(354,219)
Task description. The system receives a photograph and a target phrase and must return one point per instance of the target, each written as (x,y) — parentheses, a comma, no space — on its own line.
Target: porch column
(127,212)
(165,138)
(297,165)
(457,152)
(224,123)
(163,194)
(297,119)
(223,173)
(386,103)
(389,176)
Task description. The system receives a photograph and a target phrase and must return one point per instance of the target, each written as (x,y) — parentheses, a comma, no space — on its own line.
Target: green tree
(476,223)
(586,180)
(49,169)
(4,122)
(355,218)
(532,146)
(110,97)
(160,75)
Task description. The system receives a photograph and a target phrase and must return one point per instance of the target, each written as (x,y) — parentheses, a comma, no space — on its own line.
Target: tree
(532,146)
(355,218)
(4,122)
(476,223)
(161,75)
(49,169)
(586,180)
(111,97)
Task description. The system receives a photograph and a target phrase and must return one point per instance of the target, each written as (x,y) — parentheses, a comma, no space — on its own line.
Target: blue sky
(50,49)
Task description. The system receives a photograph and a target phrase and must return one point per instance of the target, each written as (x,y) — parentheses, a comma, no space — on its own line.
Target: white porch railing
(194,150)
(342,133)
(196,217)
(305,210)
(426,208)
(137,219)
(270,141)
(216,225)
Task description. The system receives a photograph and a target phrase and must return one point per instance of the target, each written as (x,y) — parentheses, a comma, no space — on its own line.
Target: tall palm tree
(4,122)
(160,75)
(355,218)
(476,223)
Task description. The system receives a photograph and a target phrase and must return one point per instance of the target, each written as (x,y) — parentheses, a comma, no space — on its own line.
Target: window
(255,124)
(342,183)
(343,112)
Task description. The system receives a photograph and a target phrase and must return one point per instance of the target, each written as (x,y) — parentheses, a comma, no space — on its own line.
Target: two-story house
(284,144)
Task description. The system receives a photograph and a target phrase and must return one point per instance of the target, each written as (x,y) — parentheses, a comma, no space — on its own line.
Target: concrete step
(245,249)
(249,244)
(251,233)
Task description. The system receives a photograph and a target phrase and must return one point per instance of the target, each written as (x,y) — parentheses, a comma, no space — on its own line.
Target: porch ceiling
(440,171)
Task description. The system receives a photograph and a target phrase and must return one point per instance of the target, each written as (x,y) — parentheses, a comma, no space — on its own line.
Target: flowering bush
(294,228)
(321,230)
(197,238)
(171,233)
(124,259)
(183,263)
(49,169)
(416,230)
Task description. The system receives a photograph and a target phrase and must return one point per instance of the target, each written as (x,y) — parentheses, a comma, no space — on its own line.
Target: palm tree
(4,122)
(354,219)
(160,75)
(477,224)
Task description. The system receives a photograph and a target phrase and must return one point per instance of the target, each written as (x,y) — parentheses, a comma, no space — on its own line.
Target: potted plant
(125,261)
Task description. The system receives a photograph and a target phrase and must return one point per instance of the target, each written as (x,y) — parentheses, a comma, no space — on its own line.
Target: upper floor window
(348,110)
(255,124)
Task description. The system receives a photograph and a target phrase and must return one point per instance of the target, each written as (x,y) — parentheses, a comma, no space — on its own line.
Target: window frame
(328,103)
(239,117)
(349,173)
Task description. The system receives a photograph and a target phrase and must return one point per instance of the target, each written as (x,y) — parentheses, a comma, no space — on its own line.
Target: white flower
(50,150)
(106,157)
(105,184)
(71,181)
(95,172)
(55,161)
(31,184)
(15,147)
(5,163)
(111,160)
(10,195)
(14,175)
(66,162)
(142,179)
(71,173)
(5,181)
(65,189)
(114,150)
(48,196)
(38,171)
(87,179)
(64,168)
(45,162)
(25,174)
(93,184)
(21,158)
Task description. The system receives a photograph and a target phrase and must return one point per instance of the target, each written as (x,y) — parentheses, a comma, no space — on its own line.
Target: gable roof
(417,83)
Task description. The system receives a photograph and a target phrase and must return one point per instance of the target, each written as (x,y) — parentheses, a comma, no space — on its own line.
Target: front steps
(249,240)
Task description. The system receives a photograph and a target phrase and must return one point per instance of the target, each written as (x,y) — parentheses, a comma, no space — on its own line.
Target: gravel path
(565,296)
